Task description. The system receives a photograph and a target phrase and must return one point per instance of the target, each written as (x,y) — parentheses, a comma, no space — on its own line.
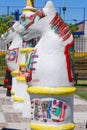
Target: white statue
(15,59)
(49,72)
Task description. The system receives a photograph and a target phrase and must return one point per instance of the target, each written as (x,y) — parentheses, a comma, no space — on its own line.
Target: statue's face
(12,55)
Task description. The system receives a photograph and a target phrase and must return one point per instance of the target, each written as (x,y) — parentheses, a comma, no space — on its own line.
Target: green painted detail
(57,112)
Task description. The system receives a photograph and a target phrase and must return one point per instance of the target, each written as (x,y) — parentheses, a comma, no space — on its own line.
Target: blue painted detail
(49,110)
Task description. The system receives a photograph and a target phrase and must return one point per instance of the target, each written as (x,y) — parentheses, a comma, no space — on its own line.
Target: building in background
(80,37)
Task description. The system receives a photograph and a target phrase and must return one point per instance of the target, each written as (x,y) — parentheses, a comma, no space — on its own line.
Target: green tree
(73,27)
(5,23)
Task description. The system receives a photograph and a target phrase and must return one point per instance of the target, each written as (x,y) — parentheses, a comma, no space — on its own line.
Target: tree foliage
(5,23)
(73,27)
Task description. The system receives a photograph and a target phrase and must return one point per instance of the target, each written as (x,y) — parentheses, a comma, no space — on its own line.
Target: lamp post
(64,9)
(84,14)
(75,20)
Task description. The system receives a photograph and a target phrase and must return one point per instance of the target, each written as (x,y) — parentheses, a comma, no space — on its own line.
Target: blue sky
(74,12)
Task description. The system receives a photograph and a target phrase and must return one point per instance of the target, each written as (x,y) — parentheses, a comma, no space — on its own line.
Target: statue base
(46,127)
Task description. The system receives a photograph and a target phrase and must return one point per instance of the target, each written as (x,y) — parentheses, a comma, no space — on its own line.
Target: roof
(80,30)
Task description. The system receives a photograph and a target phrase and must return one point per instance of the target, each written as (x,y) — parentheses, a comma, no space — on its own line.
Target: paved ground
(80,113)
(11,118)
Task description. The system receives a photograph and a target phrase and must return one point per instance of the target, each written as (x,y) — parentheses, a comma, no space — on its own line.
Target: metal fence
(80,44)
(7,10)
(80,60)
(69,14)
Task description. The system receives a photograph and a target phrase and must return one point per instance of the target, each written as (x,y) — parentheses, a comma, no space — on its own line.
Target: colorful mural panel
(49,110)
(12,55)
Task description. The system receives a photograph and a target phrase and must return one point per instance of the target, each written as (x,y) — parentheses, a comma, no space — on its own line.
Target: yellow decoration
(64,91)
(29,6)
(18,99)
(47,127)
(80,54)
(28,10)
(21,78)
(14,73)
(30,3)
(2,53)
(12,92)
(22,64)
(24,50)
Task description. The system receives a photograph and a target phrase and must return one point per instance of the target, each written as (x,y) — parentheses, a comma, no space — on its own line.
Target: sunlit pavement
(10,118)
(80,113)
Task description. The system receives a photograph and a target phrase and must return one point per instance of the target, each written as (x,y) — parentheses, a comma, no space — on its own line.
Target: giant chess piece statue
(50,76)
(16,60)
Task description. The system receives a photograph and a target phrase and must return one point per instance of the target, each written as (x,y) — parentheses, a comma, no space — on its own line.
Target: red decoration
(8,70)
(66,52)
(60,27)
(9,86)
(39,13)
(5,80)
